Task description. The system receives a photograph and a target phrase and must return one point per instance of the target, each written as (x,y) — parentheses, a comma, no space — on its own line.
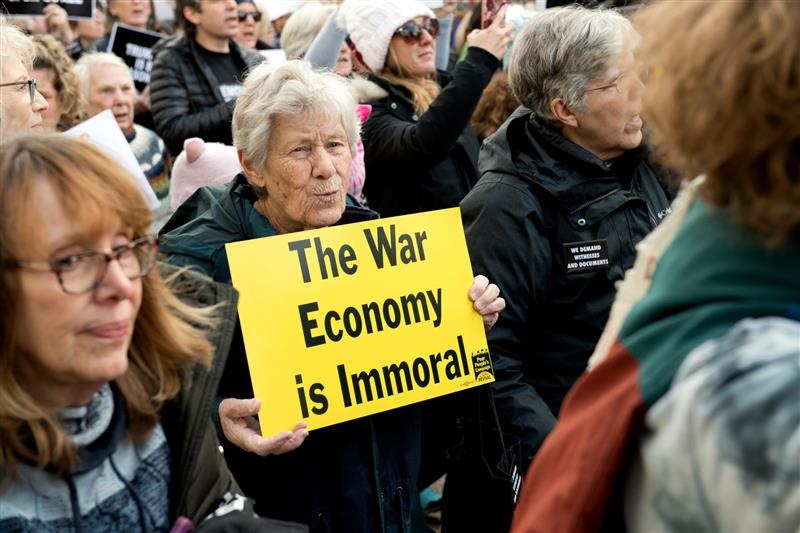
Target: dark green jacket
(201,480)
(359,476)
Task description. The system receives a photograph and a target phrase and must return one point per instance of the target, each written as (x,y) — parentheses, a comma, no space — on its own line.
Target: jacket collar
(526,147)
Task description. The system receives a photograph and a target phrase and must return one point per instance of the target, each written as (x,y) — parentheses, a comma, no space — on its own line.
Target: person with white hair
(565,194)
(301,28)
(107,84)
(296,131)
(21,104)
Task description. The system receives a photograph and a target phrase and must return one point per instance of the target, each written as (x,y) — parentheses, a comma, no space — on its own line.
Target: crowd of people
(628,176)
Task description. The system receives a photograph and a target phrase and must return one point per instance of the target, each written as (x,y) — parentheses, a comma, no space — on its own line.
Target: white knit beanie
(372,23)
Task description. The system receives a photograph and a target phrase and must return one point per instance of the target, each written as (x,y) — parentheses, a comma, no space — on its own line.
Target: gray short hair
(301,28)
(560,51)
(83,68)
(290,89)
(15,44)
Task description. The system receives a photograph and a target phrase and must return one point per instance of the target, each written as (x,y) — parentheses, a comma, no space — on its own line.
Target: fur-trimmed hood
(365,90)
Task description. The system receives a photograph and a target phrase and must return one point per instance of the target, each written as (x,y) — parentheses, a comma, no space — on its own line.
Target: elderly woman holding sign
(296,132)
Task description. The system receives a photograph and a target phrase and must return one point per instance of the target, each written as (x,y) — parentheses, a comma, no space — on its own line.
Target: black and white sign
(586,256)
(135,47)
(76,9)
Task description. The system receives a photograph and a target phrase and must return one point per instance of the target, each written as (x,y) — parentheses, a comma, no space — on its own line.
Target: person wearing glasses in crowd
(107,376)
(21,105)
(420,151)
(565,195)
(196,77)
(249,24)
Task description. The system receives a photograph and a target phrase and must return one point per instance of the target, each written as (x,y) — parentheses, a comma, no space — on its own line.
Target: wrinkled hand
(495,38)
(486,300)
(240,426)
(56,22)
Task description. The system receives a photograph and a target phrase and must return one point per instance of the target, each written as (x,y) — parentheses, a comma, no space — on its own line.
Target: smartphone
(489,9)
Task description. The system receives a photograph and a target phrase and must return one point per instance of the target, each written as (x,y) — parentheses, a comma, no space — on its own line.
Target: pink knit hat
(201,164)
(372,23)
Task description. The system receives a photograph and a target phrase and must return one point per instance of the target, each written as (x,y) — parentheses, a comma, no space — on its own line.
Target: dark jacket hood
(527,147)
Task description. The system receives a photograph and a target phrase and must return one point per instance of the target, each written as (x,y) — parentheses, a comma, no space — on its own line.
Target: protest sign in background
(347,321)
(76,9)
(103,130)
(135,47)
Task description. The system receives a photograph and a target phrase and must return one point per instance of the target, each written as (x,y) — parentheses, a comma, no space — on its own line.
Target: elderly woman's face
(73,343)
(306,174)
(610,124)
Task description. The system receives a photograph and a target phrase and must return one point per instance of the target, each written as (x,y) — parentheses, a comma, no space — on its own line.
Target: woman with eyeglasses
(21,105)
(420,151)
(99,428)
(249,22)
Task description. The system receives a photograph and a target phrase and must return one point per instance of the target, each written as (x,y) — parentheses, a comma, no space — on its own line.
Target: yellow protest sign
(347,321)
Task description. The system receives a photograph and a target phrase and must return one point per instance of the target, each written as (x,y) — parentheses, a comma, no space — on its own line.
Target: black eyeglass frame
(411,31)
(242,15)
(57,267)
(32,88)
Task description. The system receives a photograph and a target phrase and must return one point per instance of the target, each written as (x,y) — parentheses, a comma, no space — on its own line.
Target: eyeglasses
(411,31)
(244,14)
(31,83)
(614,84)
(84,271)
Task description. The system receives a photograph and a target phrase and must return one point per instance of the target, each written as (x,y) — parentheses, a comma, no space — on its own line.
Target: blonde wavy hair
(51,55)
(723,99)
(96,193)
(423,91)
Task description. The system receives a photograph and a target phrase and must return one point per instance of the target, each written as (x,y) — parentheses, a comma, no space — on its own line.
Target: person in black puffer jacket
(197,76)
(420,152)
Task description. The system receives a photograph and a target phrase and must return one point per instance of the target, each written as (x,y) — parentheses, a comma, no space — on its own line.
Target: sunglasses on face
(244,14)
(411,31)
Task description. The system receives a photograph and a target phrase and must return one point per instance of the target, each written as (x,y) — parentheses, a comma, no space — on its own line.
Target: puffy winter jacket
(185,97)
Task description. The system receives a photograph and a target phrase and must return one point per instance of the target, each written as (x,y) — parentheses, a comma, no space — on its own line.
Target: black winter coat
(185,97)
(420,163)
(540,224)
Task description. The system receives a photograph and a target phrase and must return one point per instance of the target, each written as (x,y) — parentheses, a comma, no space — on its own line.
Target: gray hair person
(83,67)
(561,52)
(566,193)
(21,104)
(301,28)
(295,131)
(293,89)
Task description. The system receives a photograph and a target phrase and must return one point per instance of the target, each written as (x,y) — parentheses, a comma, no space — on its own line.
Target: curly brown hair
(51,55)
(723,100)
(496,104)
